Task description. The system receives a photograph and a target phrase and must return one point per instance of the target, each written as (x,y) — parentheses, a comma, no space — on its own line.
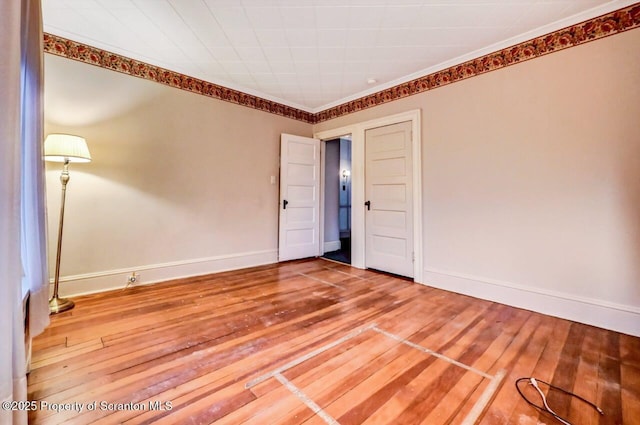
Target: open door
(299,197)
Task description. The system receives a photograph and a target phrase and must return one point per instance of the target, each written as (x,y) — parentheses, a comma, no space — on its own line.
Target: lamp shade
(59,147)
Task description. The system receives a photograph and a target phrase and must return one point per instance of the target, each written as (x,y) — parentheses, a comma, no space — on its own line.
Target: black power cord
(545,407)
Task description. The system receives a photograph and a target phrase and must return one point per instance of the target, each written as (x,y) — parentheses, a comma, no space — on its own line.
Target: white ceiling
(310,54)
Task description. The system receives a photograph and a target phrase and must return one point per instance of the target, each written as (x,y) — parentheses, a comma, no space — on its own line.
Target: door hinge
(413,257)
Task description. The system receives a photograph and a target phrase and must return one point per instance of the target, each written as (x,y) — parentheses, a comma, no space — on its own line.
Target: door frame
(357,132)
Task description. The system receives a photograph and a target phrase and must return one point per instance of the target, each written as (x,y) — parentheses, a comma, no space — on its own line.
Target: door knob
(368,205)
(284,204)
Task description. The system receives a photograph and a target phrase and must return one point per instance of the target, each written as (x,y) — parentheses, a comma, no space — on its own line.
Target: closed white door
(389,200)
(299,197)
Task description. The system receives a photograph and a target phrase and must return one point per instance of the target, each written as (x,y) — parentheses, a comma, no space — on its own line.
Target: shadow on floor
(342,255)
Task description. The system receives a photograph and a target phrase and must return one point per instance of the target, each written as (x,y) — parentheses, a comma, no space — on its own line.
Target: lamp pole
(57,304)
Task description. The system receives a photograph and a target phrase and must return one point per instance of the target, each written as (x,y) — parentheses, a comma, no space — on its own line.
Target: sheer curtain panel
(22,217)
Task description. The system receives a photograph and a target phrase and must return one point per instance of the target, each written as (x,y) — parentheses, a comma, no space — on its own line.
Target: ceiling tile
(258,67)
(366,17)
(196,13)
(287,78)
(235,68)
(542,13)
(230,17)
(277,53)
(329,69)
(136,22)
(361,37)
(241,38)
(303,69)
(330,54)
(197,54)
(81,4)
(302,37)
(212,67)
(251,54)
(298,17)
(304,54)
(282,66)
(114,4)
(264,18)
(332,38)
(224,53)
(161,13)
(259,3)
(272,38)
(400,16)
(267,79)
(243,79)
(328,17)
(360,53)
(212,38)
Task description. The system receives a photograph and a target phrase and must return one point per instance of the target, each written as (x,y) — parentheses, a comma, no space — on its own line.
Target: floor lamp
(63,148)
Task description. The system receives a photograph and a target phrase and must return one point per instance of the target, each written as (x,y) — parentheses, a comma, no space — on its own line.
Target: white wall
(179,183)
(531,183)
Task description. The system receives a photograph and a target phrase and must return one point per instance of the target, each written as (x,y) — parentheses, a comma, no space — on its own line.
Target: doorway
(358,199)
(337,199)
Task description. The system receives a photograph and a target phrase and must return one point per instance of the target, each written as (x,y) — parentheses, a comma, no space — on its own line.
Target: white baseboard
(332,246)
(117,279)
(603,314)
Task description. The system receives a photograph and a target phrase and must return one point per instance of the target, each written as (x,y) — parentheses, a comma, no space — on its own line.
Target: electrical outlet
(133,278)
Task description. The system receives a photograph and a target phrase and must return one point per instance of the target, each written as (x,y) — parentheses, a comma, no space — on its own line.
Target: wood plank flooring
(317,342)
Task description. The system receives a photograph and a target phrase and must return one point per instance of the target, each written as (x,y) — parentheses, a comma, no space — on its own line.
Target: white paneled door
(299,197)
(389,200)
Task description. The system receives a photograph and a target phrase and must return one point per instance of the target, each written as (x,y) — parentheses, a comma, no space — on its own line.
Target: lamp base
(58,305)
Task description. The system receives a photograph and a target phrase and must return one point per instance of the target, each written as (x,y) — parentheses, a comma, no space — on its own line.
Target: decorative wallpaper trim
(70,49)
(593,29)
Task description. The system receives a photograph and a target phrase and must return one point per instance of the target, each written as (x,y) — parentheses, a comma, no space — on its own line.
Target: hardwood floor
(316,342)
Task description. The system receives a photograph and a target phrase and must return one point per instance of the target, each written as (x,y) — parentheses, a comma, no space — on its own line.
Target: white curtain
(22,213)
(33,202)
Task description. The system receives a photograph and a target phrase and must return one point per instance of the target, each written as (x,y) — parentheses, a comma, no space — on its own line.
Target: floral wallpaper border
(593,29)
